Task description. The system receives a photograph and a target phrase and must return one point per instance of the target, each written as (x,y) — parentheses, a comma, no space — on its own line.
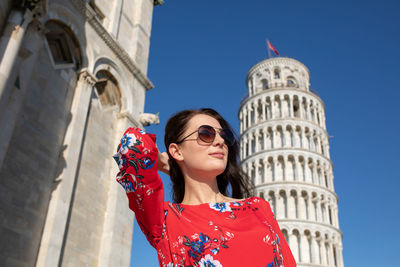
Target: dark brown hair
(233,175)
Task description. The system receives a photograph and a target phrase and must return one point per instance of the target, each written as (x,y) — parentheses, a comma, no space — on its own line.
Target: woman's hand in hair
(163,165)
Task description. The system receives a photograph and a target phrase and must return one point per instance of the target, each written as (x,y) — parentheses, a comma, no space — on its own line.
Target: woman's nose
(219,140)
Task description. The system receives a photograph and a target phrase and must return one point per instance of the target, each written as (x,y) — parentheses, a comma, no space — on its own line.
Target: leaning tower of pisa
(285,150)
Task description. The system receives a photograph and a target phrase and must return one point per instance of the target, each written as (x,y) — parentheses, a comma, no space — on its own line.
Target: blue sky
(201,52)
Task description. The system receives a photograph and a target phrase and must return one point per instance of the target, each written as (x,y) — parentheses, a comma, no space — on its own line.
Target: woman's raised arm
(137,159)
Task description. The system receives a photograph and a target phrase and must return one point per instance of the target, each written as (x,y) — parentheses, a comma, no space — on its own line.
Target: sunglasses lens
(228,136)
(206,133)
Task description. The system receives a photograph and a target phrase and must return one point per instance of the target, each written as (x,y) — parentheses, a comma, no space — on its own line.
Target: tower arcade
(284,148)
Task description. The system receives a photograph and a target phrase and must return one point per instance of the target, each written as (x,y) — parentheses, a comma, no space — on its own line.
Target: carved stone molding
(86,76)
(90,16)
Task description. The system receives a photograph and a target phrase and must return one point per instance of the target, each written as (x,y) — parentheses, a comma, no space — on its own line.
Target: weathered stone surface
(92,229)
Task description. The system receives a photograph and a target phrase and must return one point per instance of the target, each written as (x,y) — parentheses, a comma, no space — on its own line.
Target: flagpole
(269,50)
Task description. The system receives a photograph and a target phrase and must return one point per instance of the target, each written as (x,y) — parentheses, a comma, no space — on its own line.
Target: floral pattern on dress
(193,250)
(129,155)
(186,236)
(273,239)
(208,261)
(221,206)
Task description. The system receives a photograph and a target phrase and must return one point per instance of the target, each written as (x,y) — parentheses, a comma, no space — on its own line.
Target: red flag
(271,47)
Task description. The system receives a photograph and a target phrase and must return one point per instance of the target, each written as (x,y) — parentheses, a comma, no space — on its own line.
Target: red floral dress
(239,233)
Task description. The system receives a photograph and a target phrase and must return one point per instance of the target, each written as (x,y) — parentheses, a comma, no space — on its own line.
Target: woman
(204,227)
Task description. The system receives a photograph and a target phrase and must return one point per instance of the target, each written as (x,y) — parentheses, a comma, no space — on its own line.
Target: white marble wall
(57,186)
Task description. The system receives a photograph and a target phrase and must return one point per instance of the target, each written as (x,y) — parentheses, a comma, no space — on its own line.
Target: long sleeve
(137,160)
(288,259)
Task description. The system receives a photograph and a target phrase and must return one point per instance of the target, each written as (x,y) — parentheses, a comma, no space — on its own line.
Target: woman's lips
(219,155)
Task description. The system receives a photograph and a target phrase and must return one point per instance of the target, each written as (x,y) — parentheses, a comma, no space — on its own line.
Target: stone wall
(59,202)
(29,168)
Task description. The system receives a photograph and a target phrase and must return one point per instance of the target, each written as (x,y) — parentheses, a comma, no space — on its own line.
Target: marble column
(319,210)
(285,170)
(266,177)
(249,116)
(294,246)
(10,44)
(323,252)
(59,207)
(301,109)
(314,250)
(280,207)
(112,235)
(264,115)
(296,166)
(330,253)
(291,206)
(311,209)
(339,255)
(304,248)
(302,207)
(273,109)
(291,107)
(257,172)
(257,145)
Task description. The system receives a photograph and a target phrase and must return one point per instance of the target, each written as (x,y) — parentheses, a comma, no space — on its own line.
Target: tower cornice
(288,150)
(284,121)
(271,62)
(282,89)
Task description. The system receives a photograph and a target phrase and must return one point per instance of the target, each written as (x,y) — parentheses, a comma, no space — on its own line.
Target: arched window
(264,83)
(107,89)
(291,82)
(62,45)
(277,73)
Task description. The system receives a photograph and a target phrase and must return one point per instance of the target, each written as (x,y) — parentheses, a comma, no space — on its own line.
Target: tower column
(336,217)
(10,44)
(255,110)
(263,109)
(301,109)
(314,250)
(319,211)
(291,206)
(305,248)
(330,253)
(56,220)
(311,209)
(264,137)
(285,170)
(257,145)
(309,118)
(302,208)
(339,255)
(248,115)
(296,171)
(293,243)
(273,108)
(257,170)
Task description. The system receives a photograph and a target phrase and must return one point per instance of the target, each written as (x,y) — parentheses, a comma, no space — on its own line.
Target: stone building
(285,150)
(72,79)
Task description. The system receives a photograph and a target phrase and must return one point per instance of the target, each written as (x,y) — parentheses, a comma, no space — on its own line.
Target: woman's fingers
(163,165)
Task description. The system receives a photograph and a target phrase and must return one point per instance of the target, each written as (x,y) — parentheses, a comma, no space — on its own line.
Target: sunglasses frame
(209,127)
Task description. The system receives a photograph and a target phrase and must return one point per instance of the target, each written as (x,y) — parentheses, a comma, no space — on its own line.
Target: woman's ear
(175,152)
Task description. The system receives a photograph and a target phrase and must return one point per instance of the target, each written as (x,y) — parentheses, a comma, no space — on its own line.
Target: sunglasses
(207,133)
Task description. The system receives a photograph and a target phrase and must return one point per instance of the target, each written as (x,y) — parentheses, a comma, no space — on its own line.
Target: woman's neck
(199,191)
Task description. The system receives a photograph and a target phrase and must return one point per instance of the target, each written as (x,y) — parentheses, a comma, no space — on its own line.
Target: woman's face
(197,158)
